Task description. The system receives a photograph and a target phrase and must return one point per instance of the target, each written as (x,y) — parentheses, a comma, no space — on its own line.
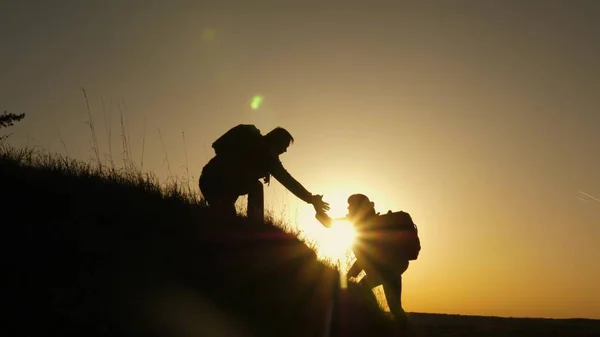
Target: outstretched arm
(324,219)
(286,179)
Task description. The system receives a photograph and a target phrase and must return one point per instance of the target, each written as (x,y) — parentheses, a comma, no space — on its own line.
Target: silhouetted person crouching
(384,245)
(243,157)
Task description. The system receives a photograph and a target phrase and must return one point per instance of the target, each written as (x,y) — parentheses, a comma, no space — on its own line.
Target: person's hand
(318,203)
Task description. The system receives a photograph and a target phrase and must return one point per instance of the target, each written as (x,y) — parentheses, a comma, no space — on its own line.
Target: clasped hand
(318,203)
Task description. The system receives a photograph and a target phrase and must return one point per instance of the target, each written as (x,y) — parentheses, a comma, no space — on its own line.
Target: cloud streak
(590,196)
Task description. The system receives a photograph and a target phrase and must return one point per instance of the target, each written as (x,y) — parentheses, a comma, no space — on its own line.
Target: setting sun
(337,240)
(332,243)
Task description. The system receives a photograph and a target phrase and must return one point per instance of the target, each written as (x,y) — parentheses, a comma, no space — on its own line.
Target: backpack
(239,139)
(400,234)
(241,147)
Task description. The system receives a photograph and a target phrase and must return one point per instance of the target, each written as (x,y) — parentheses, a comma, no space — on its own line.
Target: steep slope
(114,255)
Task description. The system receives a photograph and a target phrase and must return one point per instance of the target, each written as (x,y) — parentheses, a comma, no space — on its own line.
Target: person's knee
(370,281)
(392,293)
(208,186)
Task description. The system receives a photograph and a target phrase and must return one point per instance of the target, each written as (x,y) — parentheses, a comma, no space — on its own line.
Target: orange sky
(481,119)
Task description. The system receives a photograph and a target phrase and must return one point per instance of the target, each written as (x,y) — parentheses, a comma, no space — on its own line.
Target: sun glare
(332,243)
(337,240)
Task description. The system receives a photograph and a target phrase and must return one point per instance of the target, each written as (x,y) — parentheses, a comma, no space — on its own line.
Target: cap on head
(358,200)
(360,206)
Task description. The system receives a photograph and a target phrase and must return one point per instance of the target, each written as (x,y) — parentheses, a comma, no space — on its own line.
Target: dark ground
(439,325)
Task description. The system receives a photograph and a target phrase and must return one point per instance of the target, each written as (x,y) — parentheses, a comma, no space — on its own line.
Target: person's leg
(256,201)
(225,206)
(393,295)
(216,196)
(368,283)
(392,287)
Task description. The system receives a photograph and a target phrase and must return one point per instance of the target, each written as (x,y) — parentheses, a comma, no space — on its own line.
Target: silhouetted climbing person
(243,157)
(384,246)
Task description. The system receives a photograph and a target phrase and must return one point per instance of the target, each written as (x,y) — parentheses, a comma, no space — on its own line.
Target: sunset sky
(480,118)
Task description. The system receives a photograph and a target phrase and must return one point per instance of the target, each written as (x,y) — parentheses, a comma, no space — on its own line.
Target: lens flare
(256,102)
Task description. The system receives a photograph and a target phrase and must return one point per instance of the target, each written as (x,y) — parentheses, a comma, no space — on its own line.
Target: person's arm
(324,219)
(277,170)
(286,179)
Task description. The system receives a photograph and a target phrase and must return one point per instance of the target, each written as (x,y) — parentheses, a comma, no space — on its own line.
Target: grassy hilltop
(105,252)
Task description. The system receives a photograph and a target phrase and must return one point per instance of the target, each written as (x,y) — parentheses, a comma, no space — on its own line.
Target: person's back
(237,139)
(390,240)
(242,152)
(376,249)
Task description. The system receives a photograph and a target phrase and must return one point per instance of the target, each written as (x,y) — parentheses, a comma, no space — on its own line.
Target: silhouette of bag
(242,147)
(399,236)
(240,139)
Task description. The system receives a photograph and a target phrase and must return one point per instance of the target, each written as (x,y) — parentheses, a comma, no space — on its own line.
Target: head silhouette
(360,207)
(279,139)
